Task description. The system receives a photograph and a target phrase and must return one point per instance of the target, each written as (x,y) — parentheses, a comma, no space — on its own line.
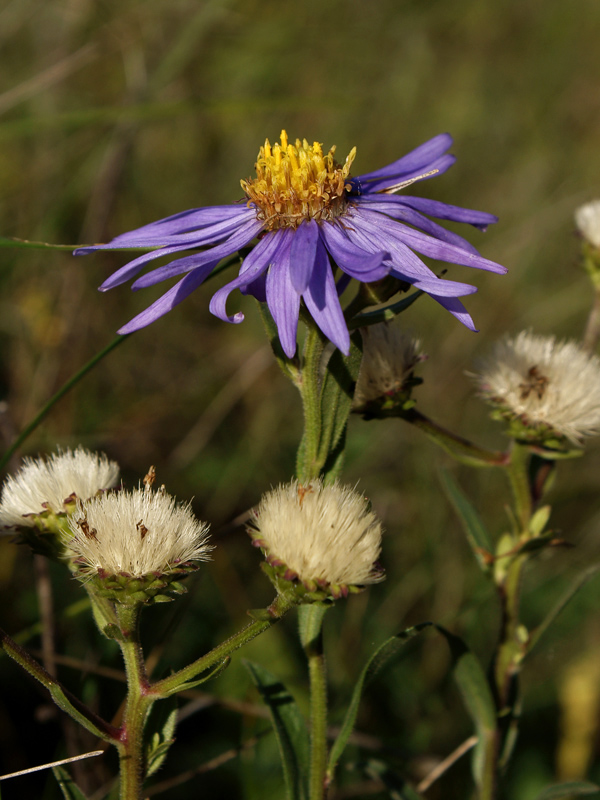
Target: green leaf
(397,787)
(568,790)
(476,532)
(376,662)
(337,392)
(206,676)
(383,314)
(69,789)
(160,730)
(290,730)
(477,697)
(577,584)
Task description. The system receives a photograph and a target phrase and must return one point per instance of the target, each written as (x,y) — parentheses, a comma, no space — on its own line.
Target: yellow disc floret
(297,182)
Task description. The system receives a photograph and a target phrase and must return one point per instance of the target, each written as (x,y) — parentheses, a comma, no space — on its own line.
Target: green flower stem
(139,701)
(518,476)
(263,621)
(311,636)
(28,430)
(461,449)
(307,466)
(63,698)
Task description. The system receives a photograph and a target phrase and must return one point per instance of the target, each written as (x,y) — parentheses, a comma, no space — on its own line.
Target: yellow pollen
(297,182)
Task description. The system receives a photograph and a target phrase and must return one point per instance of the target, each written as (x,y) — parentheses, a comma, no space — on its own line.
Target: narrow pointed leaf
(160,730)
(577,584)
(377,661)
(68,787)
(386,314)
(336,400)
(477,697)
(564,791)
(477,534)
(206,676)
(290,730)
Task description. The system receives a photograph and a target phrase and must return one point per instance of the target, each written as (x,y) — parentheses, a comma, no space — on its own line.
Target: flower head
(51,485)
(587,219)
(306,211)
(325,537)
(544,387)
(386,371)
(134,544)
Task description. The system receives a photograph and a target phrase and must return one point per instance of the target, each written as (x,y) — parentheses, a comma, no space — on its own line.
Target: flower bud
(320,541)
(134,546)
(549,391)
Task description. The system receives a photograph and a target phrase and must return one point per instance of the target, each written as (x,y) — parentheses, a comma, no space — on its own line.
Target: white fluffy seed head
(135,533)
(47,482)
(322,533)
(389,356)
(544,383)
(587,219)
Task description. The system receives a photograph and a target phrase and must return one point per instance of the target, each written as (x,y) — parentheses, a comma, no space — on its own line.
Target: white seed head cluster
(45,483)
(544,382)
(322,533)
(587,219)
(389,356)
(135,533)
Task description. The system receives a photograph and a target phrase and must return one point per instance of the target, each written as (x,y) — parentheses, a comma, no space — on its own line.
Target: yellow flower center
(297,182)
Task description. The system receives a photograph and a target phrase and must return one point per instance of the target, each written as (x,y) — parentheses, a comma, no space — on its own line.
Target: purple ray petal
(271,249)
(427,245)
(239,238)
(437,167)
(479,219)
(284,303)
(322,302)
(167,301)
(359,263)
(257,289)
(417,159)
(456,308)
(303,253)
(151,236)
(401,212)
(131,269)
(438,286)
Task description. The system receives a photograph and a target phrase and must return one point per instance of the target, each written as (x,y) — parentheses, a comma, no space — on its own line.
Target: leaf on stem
(160,731)
(477,697)
(68,787)
(376,662)
(477,534)
(206,676)
(290,730)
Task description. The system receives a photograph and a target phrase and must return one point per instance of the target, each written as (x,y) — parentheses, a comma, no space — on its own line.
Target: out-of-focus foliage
(116,114)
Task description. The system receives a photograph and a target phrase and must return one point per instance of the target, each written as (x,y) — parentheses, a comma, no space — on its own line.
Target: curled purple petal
(272,247)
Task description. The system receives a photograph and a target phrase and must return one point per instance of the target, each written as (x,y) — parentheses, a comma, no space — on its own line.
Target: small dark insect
(141,528)
(89,533)
(150,478)
(536,382)
(302,492)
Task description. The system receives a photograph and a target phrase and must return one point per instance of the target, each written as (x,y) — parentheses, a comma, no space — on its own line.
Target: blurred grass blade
(397,788)
(8,241)
(28,430)
(380,657)
(68,787)
(563,791)
(477,697)
(476,532)
(577,584)
(290,730)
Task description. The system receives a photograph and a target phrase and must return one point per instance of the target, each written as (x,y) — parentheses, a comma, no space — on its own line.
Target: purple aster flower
(305,211)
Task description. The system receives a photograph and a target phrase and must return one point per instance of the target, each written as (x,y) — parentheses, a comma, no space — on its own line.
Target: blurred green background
(113,115)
